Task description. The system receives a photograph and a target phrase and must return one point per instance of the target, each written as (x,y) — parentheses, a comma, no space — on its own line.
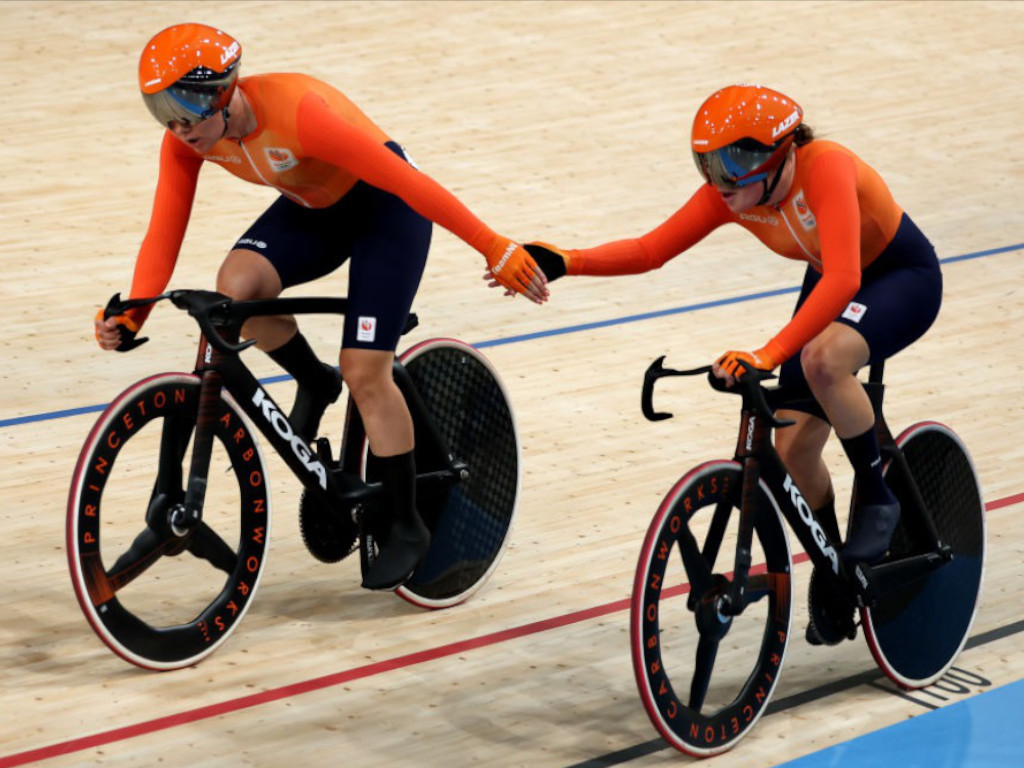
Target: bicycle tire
(916,632)
(156,606)
(469,521)
(721,710)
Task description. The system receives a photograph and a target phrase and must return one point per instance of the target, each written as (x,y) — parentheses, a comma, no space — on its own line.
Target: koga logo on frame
(281,425)
(808,517)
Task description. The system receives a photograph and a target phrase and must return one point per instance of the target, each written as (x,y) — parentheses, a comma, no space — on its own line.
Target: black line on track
(903,695)
(869,677)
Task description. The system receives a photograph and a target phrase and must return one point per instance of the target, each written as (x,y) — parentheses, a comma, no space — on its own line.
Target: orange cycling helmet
(742,133)
(188,72)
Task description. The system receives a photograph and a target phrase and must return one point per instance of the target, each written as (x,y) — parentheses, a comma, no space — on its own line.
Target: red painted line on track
(316,684)
(369,670)
(1008,501)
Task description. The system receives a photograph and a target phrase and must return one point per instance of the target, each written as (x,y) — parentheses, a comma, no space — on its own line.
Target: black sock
(866,459)
(403,538)
(826,515)
(398,478)
(299,359)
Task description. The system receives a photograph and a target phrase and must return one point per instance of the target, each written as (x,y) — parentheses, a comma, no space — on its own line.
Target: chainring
(329,534)
(831,614)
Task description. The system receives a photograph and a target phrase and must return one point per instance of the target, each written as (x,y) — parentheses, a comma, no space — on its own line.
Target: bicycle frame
(863,584)
(915,612)
(760,460)
(219,365)
(468,478)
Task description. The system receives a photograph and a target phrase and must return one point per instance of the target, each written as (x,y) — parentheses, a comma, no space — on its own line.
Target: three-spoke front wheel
(704,672)
(159,600)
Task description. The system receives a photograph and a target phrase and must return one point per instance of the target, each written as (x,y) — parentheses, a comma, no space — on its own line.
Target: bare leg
(800,447)
(246,275)
(830,362)
(389,429)
(249,275)
(368,374)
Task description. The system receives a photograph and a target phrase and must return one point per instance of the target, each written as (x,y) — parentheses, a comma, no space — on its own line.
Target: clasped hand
(510,266)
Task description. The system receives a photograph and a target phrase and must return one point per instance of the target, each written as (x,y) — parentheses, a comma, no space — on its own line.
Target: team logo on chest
(280,159)
(803,212)
(223,159)
(771,221)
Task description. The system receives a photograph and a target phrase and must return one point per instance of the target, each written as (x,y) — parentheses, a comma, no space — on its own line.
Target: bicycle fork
(186,516)
(752,434)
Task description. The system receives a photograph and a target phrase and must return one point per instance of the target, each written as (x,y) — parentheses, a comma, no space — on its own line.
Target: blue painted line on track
(624,320)
(980,732)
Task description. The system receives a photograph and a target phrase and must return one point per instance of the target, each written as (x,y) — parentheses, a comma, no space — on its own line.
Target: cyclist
(872,285)
(347,192)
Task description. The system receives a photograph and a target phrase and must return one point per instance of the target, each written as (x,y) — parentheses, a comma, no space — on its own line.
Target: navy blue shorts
(899,298)
(385,241)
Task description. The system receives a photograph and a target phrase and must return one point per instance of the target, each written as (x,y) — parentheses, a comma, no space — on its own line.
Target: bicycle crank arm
(458,474)
(878,581)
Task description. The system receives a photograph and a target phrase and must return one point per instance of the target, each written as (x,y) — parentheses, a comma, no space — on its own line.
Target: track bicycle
(169,512)
(707,664)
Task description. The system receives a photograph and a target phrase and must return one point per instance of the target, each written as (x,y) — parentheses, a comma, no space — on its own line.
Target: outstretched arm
(702,214)
(328,137)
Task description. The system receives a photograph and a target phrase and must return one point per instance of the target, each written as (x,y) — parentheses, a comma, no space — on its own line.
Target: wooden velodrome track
(560,121)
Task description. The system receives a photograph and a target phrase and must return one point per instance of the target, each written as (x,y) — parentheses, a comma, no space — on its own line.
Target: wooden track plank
(560,121)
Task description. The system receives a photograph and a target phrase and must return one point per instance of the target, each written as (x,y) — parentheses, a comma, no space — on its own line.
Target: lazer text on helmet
(229,53)
(786,124)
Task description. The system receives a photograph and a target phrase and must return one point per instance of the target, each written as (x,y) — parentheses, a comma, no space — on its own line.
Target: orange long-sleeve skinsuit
(838,216)
(313,145)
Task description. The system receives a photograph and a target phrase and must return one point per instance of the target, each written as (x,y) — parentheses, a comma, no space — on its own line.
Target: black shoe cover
(407,544)
(871,533)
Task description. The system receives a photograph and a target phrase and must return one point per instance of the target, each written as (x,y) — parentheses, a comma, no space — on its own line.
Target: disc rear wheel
(471,515)
(916,632)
